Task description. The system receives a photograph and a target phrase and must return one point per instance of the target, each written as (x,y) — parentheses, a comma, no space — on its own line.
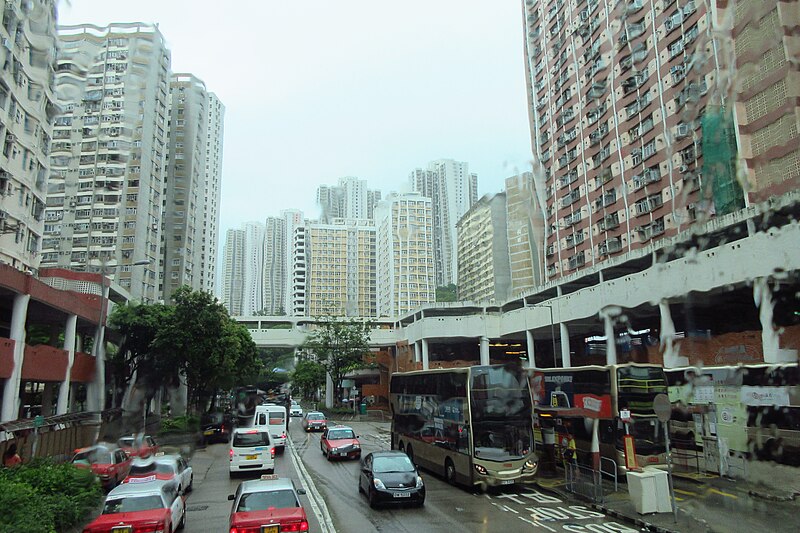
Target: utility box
(649,491)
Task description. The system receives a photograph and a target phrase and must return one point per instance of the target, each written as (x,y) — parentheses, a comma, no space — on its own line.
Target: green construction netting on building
(719,160)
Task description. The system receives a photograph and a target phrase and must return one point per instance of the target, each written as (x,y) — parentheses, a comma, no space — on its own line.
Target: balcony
(651,203)
(596,90)
(610,246)
(571,198)
(608,222)
(575,239)
(595,113)
(568,179)
(651,175)
(604,177)
(577,260)
(648,231)
(604,154)
(605,200)
(565,117)
(572,219)
(597,135)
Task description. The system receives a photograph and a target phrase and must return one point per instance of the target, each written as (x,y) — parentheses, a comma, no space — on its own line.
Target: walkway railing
(584,481)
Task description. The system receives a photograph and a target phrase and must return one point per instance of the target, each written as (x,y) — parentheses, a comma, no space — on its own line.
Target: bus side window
(262,419)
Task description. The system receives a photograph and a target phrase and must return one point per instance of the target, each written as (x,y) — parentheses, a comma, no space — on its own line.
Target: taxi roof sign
(269,477)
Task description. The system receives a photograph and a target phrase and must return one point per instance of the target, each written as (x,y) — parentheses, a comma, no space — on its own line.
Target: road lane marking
(721,493)
(686,492)
(315,498)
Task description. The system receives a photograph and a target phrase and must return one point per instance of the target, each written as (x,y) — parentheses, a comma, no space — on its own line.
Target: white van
(272,418)
(251,450)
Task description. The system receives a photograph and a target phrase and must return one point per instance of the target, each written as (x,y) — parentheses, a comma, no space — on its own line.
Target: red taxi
(111,465)
(340,442)
(146,508)
(267,505)
(138,445)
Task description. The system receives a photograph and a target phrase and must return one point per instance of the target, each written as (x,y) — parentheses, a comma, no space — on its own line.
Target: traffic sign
(662,407)
(625,415)
(38,421)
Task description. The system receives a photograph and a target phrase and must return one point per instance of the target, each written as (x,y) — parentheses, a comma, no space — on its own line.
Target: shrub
(179,424)
(44,497)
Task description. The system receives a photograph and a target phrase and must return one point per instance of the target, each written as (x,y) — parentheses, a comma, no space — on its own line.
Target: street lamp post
(552,330)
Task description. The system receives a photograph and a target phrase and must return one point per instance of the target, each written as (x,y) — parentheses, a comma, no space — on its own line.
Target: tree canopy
(338,344)
(308,376)
(447,293)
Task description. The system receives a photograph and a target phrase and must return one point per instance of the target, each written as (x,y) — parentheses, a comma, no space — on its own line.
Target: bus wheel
(449,471)
(401,447)
(410,453)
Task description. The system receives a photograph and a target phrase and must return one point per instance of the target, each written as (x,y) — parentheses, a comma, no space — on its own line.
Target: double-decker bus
(472,425)
(585,402)
(731,414)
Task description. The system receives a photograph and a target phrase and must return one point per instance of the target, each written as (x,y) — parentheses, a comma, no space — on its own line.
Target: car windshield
(399,463)
(499,441)
(126,442)
(337,434)
(261,501)
(316,416)
(151,468)
(250,439)
(94,456)
(131,504)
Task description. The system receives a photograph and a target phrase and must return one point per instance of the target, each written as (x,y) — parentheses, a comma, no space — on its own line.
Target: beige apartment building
(108,158)
(525,233)
(406,273)
(483,259)
(340,268)
(27,110)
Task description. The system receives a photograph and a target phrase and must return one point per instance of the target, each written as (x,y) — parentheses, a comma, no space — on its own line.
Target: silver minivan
(251,449)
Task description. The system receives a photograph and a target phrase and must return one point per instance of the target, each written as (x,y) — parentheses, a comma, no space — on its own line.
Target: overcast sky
(319,90)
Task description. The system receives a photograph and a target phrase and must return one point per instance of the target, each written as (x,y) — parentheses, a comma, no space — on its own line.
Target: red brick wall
(82,368)
(44,363)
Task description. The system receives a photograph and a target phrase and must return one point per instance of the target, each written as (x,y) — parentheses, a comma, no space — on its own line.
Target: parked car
(390,477)
(156,506)
(340,442)
(162,468)
(251,449)
(216,427)
(110,464)
(314,421)
(138,445)
(267,505)
(295,409)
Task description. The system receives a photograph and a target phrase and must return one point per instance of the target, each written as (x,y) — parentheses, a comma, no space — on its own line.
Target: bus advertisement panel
(472,425)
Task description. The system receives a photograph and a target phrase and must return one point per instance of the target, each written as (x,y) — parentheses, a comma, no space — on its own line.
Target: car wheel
(183,520)
(190,488)
(373,501)
(360,490)
(401,447)
(410,454)
(421,503)
(449,471)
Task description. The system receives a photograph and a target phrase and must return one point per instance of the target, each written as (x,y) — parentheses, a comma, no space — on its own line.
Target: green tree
(447,293)
(138,325)
(308,376)
(339,344)
(210,349)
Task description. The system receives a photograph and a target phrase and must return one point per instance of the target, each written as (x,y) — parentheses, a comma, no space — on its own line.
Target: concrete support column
(47,398)
(566,359)
(770,340)
(611,338)
(484,350)
(19,314)
(69,346)
(595,449)
(328,391)
(417,356)
(672,357)
(425,355)
(531,354)
(96,393)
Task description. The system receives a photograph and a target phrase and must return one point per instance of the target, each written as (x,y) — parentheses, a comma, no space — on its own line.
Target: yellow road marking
(687,492)
(715,491)
(678,499)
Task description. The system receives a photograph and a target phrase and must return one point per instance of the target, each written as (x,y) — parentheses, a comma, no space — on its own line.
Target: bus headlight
(481,470)
(530,464)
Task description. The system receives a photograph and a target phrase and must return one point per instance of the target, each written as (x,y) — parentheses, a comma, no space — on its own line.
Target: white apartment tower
(274,277)
(27,110)
(184,189)
(350,199)
(109,153)
(292,219)
(404,257)
(453,190)
(253,301)
(215,131)
(233,271)
(299,275)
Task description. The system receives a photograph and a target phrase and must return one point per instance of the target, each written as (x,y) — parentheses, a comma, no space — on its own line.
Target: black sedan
(390,477)
(216,427)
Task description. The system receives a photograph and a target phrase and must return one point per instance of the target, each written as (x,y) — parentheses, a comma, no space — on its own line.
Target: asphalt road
(333,503)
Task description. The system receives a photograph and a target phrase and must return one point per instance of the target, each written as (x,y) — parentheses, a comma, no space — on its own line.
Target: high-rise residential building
(292,219)
(215,131)
(184,197)
(27,100)
(765,85)
(253,301)
(483,260)
(274,266)
(404,257)
(620,94)
(453,190)
(109,153)
(525,232)
(299,272)
(349,199)
(340,268)
(233,271)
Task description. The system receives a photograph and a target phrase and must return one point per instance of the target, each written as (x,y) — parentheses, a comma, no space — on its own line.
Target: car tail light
(157,527)
(247,529)
(283,435)
(230,454)
(272,452)
(294,526)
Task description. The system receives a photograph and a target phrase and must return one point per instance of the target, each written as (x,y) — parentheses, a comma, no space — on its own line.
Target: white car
(251,449)
(154,506)
(295,409)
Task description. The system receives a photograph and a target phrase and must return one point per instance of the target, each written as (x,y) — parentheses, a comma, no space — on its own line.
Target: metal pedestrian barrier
(584,481)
